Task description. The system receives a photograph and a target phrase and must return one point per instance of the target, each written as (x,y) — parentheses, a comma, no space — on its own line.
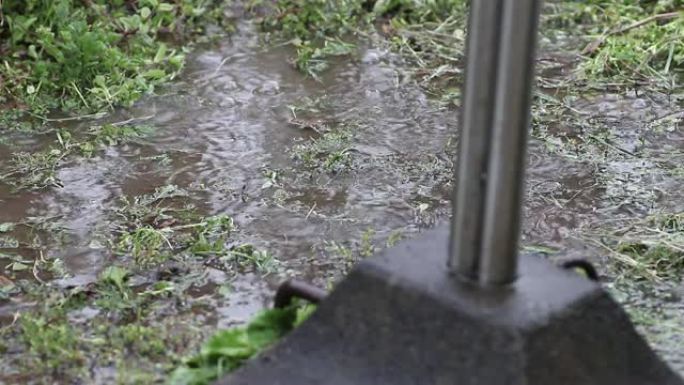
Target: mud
(227,122)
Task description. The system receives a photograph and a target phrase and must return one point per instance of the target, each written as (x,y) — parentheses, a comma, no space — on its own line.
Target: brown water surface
(226,121)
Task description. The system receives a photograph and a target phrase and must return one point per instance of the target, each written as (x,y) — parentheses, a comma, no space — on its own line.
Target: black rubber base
(401,319)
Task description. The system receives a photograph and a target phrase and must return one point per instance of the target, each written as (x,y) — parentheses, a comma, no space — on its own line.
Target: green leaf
(18,266)
(116,276)
(228,349)
(145,13)
(303,313)
(155,74)
(161,53)
(232,343)
(194,376)
(165,7)
(270,325)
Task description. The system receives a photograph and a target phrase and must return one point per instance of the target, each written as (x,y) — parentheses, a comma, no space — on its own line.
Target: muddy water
(227,120)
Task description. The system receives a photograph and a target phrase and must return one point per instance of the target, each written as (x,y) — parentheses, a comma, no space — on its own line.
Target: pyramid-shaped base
(401,319)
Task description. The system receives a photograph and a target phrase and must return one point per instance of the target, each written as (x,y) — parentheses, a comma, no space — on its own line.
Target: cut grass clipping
(628,42)
(653,249)
(645,250)
(229,349)
(632,41)
(38,170)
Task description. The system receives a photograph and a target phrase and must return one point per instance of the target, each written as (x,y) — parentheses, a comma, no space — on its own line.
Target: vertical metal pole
(501,229)
(476,120)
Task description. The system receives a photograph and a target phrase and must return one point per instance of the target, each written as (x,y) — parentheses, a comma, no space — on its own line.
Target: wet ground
(227,134)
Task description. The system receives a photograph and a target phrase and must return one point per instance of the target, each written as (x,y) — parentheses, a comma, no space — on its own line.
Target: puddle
(228,120)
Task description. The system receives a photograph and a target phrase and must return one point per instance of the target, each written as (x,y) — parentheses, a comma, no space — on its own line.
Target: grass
(642,250)
(115,276)
(315,28)
(147,245)
(652,258)
(430,35)
(313,19)
(33,171)
(38,170)
(628,42)
(652,248)
(331,152)
(140,315)
(96,54)
(124,331)
(312,59)
(319,30)
(155,229)
(150,209)
(246,257)
(52,343)
(367,248)
(210,235)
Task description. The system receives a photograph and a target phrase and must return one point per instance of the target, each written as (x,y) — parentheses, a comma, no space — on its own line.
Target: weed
(315,28)
(114,134)
(650,52)
(246,256)
(147,245)
(147,209)
(667,223)
(159,232)
(141,340)
(34,171)
(117,319)
(271,178)
(394,238)
(7,242)
(656,249)
(633,41)
(329,153)
(129,374)
(113,292)
(7,288)
(650,249)
(117,277)
(313,19)
(341,250)
(430,35)
(210,235)
(53,343)
(652,258)
(96,54)
(159,289)
(367,248)
(313,60)
(540,249)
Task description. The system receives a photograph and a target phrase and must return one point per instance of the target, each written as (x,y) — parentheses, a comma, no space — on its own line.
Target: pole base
(401,319)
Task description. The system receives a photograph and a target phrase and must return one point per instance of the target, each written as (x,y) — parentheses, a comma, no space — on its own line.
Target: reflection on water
(227,120)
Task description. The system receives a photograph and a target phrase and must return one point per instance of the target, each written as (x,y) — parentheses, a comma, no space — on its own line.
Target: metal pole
(476,120)
(501,229)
